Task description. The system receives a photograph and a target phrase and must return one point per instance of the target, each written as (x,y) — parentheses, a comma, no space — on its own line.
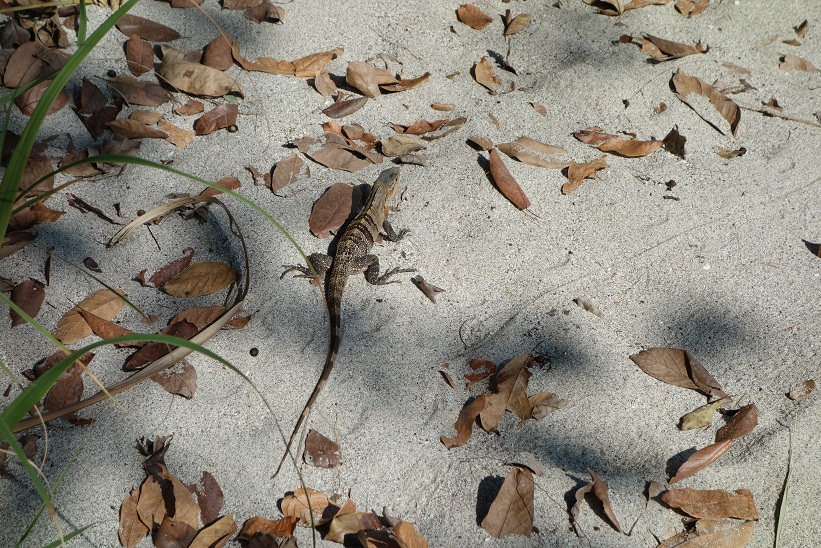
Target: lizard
(352,256)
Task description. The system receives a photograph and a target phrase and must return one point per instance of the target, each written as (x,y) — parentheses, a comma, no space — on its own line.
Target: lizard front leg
(320,262)
(372,272)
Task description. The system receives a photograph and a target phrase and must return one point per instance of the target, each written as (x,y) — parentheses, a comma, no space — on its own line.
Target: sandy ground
(722,272)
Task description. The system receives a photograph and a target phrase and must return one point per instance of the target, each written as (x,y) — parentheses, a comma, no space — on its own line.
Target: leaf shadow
(486,493)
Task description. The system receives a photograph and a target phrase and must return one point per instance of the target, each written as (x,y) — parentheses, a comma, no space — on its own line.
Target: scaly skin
(353,255)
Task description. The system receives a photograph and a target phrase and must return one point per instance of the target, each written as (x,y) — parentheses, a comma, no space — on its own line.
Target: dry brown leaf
(343,156)
(533,152)
(429,290)
(132,129)
(701,459)
(464,424)
(296,505)
(66,391)
(419,127)
(155,350)
(304,67)
(511,512)
(510,395)
(691,7)
(443,107)
(801,390)
(151,506)
(362,77)
(132,530)
(338,203)
(701,417)
(28,100)
(538,107)
(620,6)
(287,171)
(28,295)
(351,524)
(217,54)
(727,153)
(446,128)
(180,380)
(593,135)
(145,116)
(485,74)
(674,143)
(136,92)
(239,4)
(544,403)
(793,62)
(227,183)
(283,527)
(265,11)
(340,109)
(203,278)
(209,497)
(484,143)
(576,173)
(191,107)
(489,369)
(399,145)
(712,504)
(665,50)
(139,54)
(216,534)
(160,277)
(518,24)
(630,148)
(177,136)
(194,77)
(146,29)
(679,368)
(586,304)
(183,526)
(599,489)
(324,84)
(220,117)
(802,29)
(473,17)
(103,303)
(742,423)
(321,451)
(105,329)
(505,182)
(684,85)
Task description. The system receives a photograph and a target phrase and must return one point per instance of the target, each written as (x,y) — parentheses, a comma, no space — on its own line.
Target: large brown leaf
(220,117)
(304,67)
(194,77)
(505,182)
(180,380)
(362,76)
(139,54)
(599,488)
(712,504)
(283,527)
(216,534)
(511,512)
(533,152)
(173,268)
(103,303)
(511,393)
(485,74)
(473,17)
(203,278)
(679,368)
(740,425)
(684,85)
(576,173)
(146,29)
(132,530)
(28,295)
(701,459)
(333,208)
(464,424)
(136,92)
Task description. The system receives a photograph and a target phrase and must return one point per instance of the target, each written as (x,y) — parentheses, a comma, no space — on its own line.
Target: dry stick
(774,112)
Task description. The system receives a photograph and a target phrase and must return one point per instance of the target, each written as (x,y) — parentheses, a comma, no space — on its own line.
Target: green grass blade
(19,158)
(781,517)
(71,535)
(31,471)
(82,21)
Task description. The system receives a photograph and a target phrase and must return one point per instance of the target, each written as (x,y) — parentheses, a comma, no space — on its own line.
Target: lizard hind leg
(320,262)
(373,277)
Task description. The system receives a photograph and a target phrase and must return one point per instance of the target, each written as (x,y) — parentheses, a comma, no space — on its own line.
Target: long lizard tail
(334,301)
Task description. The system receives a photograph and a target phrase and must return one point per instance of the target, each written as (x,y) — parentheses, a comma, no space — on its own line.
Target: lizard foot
(383,279)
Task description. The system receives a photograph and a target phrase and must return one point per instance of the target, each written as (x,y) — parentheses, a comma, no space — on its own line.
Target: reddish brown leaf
(518,24)
(420,127)
(139,54)
(350,524)
(28,295)
(464,424)
(36,214)
(104,303)
(511,512)
(203,278)
(505,182)
(340,109)
(321,451)
(473,378)
(485,75)
(191,107)
(156,350)
(740,425)
(66,391)
(200,316)
(194,77)
(240,4)
(132,530)
(679,368)
(265,11)
(146,29)
(29,62)
(283,527)
(217,53)
(180,380)
(403,84)
(443,107)
(230,183)
(133,129)
(28,100)
(576,173)
(333,208)
(105,329)
(160,277)
(701,459)
(136,92)
(630,148)
(712,504)
(684,85)
(473,17)
(178,137)
(219,117)
(287,171)
(665,50)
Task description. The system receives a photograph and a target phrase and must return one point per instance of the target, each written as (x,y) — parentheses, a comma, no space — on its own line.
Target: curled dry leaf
(146,29)
(533,152)
(679,368)
(489,369)
(505,182)
(443,107)
(538,107)
(345,524)
(216,534)
(219,117)
(227,183)
(136,92)
(630,148)
(104,303)
(324,84)
(265,11)
(191,107)
(132,530)
(177,136)
(701,417)
(29,296)
(518,24)
(139,54)
(740,425)
(194,77)
(105,329)
(586,304)
(701,459)
(180,380)
(712,504)
(485,74)
(132,129)
(203,278)
(333,208)
(155,350)
(684,85)
(662,50)
(793,62)
(464,424)
(217,53)
(419,127)
(362,76)
(473,17)
(511,512)
(482,142)
(296,505)
(283,527)
(599,488)
(544,403)
(510,395)
(727,153)
(321,451)
(340,109)
(801,390)
(430,291)
(691,7)
(576,173)
(304,67)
